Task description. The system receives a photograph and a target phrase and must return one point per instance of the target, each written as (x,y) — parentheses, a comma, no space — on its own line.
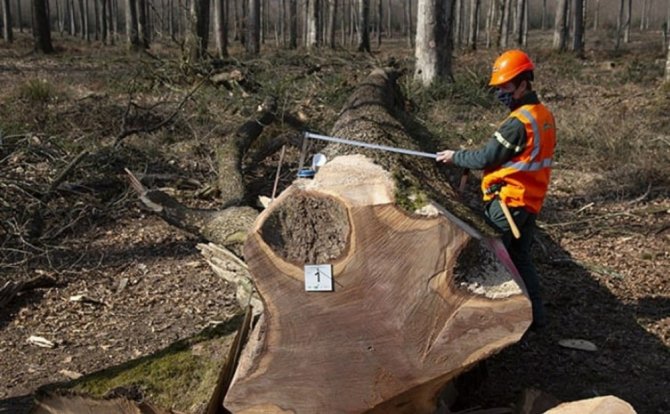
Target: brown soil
(603,250)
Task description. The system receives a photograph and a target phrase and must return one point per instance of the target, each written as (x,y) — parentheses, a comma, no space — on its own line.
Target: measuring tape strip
(309,135)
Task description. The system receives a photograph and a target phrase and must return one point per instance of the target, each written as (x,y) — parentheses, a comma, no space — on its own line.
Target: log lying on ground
(416,300)
(600,405)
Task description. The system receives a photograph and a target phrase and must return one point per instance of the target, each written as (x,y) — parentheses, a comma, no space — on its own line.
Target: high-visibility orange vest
(525,178)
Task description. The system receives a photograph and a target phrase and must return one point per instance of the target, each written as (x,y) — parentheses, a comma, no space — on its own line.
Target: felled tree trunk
(416,299)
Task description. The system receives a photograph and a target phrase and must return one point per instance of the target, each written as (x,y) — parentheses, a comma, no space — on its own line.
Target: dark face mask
(506,98)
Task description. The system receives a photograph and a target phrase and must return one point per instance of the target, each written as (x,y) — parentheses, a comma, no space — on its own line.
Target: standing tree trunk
(596,15)
(629,15)
(519,21)
(434,41)
(104,29)
(503,38)
(458,22)
(619,25)
(41,29)
(113,19)
(131,24)
(380,16)
(83,20)
(293,24)
(143,24)
(19,17)
(544,14)
(312,24)
(96,19)
(221,27)
(364,26)
(332,22)
(490,19)
(253,43)
(578,40)
(474,24)
(643,15)
(561,25)
(667,63)
(7,33)
(71,17)
(409,27)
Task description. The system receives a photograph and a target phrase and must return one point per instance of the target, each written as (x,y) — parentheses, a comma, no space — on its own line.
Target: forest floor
(603,251)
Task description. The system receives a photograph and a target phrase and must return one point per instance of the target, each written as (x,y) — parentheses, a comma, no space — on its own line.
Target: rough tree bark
(293,24)
(332,22)
(401,315)
(197,35)
(143,24)
(7,33)
(132,33)
(364,26)
(561,25)
(578,40)
(312,23)
(519,28)
(41,29)
(434,41)
(221,27)
(253,37)
(474,24)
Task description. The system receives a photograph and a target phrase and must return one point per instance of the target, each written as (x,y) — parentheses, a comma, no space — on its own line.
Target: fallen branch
(147,129)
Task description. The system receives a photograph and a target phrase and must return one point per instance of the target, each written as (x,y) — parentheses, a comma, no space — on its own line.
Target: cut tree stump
(417,299)
(600,405)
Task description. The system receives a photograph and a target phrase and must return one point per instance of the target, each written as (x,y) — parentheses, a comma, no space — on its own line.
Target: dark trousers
(520,250)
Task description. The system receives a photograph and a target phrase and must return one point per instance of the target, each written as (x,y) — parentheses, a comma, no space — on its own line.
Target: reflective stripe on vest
(532,164)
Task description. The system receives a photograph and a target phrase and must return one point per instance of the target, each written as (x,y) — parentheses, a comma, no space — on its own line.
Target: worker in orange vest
(517,166)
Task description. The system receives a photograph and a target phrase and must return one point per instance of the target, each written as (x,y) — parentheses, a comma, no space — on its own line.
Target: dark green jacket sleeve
(508,141)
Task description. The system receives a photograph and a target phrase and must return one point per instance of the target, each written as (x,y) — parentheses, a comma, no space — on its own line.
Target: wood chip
(579,344)
(70,374)
(41,342)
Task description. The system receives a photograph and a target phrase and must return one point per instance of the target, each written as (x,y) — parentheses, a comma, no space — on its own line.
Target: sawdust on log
(479,271)
(307,229)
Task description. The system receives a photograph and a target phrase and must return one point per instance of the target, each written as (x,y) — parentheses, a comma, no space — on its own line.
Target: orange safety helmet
(509,65)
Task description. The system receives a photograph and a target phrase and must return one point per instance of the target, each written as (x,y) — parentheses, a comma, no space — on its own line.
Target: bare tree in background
(619,24)
(293,24)
(253,41)
(490,19)
(578,39)
(364,25)
(312,23)
(221,27)
(332,22)
(434,41)
(19,18)
(197,33)
(41,29)
(380,17)
(408,23)
(626,33)
(561,25)
(143,24)
(520,17)
(71,17)
(596,15)
(504,24)
(132,34)
(474,24)
(7,33)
